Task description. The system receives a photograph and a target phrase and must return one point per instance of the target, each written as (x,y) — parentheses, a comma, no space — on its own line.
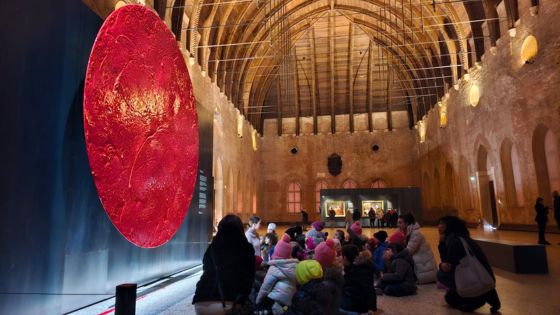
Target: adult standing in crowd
(371,215)
(347,219)
(356,215)
(304,219)
(542,219)
(332,215)
(228,269)
(252,234)
(453,231)
(556,198)
(418,248)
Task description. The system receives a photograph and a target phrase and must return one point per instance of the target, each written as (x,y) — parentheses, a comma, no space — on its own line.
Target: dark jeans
(542,228)
(471,304)
(371,222)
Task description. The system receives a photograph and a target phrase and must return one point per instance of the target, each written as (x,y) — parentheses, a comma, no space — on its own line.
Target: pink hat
(318,225)
(356,228)
(397,237)
(312,242)
(283,249)
(325,253)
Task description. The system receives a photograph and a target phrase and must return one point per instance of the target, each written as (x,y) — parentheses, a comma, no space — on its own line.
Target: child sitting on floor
(399,280)
(279,285)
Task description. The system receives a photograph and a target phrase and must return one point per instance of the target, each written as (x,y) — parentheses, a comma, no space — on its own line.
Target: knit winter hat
(312,242)
(372,243)
(271,227)
(318,225)
(283,249)
(308,270)
(381,236)
(356,228)
(325,253)
(397,237)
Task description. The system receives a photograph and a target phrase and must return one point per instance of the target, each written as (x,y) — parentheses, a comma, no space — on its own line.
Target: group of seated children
(312,274)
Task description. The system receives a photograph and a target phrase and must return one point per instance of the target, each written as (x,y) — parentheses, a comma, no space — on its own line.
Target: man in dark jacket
(556,198)
(358,293)
(542,219)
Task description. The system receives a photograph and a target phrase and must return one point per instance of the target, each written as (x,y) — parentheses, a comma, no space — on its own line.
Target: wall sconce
(254,139)
(474,95)
(442,114)
(421,130)
(240,126)
(529,49)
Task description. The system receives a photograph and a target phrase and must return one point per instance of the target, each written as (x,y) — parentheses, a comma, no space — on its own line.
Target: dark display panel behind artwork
(56,240)
(405,199)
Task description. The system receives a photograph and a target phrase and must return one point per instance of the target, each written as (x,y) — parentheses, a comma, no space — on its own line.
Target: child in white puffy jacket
(279,284)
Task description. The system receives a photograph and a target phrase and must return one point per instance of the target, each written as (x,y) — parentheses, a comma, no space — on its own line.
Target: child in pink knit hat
(325,253)
(279,285)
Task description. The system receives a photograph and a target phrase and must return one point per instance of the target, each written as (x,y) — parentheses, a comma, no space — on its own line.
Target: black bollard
(125,303)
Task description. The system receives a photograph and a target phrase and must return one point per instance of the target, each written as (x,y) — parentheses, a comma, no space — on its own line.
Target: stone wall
(519,104)
(394,162)
(237,165)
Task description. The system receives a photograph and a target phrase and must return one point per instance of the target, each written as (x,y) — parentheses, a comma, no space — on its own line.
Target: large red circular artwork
(141,126)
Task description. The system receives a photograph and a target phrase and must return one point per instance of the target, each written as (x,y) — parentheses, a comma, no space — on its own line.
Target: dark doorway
(493,205)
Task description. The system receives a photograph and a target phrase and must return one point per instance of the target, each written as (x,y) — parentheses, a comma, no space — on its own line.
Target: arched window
(294,197)
(322,184)
(349,184)
(547,164)
(511,174)
(378,183)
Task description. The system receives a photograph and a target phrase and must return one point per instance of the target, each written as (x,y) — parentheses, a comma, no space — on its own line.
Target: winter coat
(280,281)
(358,293)
(452,251)
(557,208)
(424,261)
(542,213)
(316,297)
(401,271)
(236,268)
(314,233)
(378,260)
(253,238)
(356,215)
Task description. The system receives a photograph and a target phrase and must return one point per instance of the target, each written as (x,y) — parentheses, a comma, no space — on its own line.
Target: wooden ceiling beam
(350,76)
(314,90)
(331,68)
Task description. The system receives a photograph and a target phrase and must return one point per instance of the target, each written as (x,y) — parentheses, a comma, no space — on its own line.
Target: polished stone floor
(520,294)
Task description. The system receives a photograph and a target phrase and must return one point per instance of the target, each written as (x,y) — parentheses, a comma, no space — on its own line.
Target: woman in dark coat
(229,259)
(451,250)
(542,219)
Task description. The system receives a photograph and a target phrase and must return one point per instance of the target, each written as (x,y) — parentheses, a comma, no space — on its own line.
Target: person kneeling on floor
(399,280)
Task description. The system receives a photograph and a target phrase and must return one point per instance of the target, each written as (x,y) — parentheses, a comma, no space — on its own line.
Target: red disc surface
(141,126)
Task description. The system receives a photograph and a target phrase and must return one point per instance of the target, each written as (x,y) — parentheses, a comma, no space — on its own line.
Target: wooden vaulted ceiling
(306,58)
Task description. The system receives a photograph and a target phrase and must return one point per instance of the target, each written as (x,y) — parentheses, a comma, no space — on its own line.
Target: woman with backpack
(454,243)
